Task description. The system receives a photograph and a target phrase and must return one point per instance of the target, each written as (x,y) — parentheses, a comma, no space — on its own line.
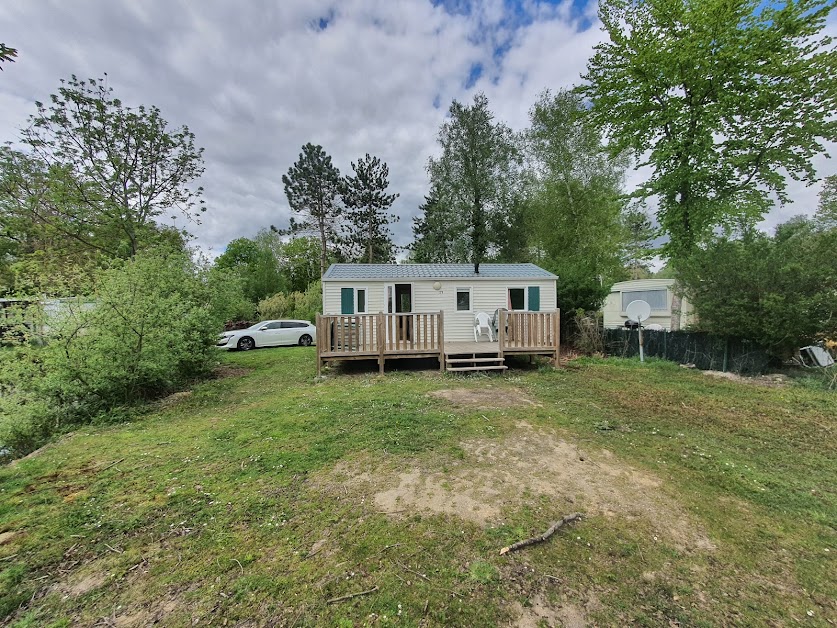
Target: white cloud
(256,80)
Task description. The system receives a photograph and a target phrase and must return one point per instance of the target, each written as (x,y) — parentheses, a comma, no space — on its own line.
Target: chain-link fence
(705,351)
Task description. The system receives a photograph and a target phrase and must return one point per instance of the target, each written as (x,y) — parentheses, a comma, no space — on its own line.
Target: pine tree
(368,237)
(312,186)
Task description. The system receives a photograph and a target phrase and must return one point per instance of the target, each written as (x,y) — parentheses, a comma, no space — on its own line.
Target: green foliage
(779,291)
(7,54)
(312,186)
(638,248)
(368,238)
(438,233)
(720,98)
(150,327)
(300,263)
(116,168)
(300,305)
(574,208)
(476,180)
(229,298)
(827,210)
(257,266)
(92,185)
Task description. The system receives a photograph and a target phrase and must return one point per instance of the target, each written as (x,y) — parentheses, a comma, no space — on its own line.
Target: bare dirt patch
(485,398)
(541,613)
(174,398)
(499,476)
(84,584)
(770,381)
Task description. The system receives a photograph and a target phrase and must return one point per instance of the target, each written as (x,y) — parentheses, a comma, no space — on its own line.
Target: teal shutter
(534,298)
(347,300)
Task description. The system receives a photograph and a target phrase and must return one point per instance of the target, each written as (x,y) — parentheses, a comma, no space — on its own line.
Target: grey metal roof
(435,271)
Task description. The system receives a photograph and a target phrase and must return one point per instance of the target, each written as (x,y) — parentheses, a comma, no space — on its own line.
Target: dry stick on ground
(112,464)
(421,575)
(543,537)
(351,595)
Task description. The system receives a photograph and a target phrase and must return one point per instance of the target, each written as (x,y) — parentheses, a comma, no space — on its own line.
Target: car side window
(274,325)
(292,325)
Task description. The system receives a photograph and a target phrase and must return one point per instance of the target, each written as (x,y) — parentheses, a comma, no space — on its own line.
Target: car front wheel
(246,343)
(305,340)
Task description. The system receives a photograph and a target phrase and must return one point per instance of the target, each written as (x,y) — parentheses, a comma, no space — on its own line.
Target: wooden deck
(421,335)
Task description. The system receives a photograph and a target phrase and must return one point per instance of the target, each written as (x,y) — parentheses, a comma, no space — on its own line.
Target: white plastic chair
(482,325)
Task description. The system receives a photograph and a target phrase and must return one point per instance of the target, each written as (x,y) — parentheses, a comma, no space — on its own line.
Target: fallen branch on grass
(543,537)
(351,595)
(112,464)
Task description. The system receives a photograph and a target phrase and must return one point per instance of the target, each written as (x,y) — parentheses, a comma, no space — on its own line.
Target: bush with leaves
(299,305)
(780,291)
(149,329)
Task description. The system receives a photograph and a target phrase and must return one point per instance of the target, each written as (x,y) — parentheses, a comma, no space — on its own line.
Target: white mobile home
(426,306)
(668,310)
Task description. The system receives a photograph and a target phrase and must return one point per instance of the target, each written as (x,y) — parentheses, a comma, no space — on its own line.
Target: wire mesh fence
(705,351)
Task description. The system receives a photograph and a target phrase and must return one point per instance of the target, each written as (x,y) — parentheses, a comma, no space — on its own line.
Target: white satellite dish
(639,311)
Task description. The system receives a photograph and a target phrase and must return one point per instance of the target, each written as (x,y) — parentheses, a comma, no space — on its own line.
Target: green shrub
(149,328)
(299,305)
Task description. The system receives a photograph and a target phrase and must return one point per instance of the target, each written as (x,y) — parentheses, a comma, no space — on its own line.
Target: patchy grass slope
(229,506)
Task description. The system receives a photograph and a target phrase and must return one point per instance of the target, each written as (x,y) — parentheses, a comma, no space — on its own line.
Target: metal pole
(641,351)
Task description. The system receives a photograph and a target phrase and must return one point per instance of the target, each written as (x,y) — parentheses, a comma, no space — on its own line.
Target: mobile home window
(463,299)
(517,298)
(657,299)
(353,300)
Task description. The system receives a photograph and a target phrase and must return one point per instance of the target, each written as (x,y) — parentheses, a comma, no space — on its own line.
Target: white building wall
(486,296)
(614,316)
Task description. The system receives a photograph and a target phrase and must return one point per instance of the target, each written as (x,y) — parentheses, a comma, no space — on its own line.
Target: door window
(517,298)
(463,299)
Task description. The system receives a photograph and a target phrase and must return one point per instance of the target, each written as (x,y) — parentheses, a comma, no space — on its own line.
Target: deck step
(461,360)
(502,367)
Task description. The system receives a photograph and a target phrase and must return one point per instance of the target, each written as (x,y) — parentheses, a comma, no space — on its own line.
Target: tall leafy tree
(638,247)
(312,186)
(255,264)
(299,260)
(120,167)
(439,235)
(49,239)
(827,209)
(575,205)
(367,203)
(477,175)
(719,97)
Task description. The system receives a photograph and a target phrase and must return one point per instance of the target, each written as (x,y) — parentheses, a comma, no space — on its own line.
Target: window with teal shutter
(534,298)
(347,300)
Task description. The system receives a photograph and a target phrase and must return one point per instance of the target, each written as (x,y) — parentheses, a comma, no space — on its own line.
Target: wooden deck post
(501,333)
(557,325)
(319,342)
(379,337)
(442,341)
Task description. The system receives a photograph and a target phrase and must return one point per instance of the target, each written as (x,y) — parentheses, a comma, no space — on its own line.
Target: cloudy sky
(255,80)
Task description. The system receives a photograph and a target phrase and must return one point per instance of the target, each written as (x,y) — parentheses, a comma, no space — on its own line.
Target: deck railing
(366,336)
(370,334)
(529,330)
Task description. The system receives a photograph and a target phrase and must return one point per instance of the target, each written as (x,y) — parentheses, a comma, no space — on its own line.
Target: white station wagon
(269,334)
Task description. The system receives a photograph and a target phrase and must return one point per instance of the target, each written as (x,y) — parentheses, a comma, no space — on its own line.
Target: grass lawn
(263,496)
